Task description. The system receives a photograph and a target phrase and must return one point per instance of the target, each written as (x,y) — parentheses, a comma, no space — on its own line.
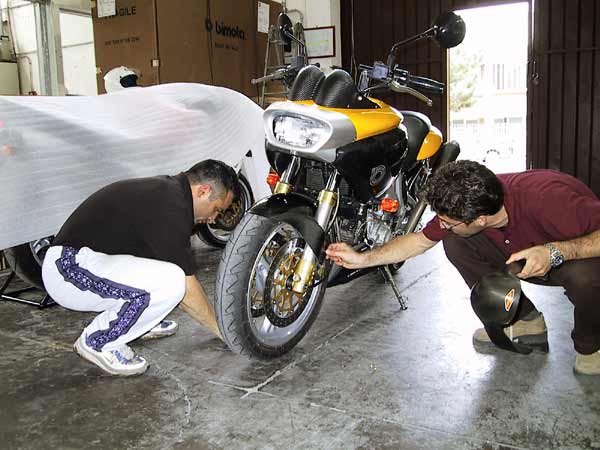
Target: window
(509,76)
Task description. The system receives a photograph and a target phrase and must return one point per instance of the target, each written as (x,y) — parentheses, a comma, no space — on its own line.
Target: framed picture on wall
(320,42)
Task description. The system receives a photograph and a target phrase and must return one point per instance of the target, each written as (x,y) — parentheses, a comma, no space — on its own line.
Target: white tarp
(56,151)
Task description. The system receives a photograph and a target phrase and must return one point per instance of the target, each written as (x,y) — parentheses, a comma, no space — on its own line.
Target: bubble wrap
(56,151)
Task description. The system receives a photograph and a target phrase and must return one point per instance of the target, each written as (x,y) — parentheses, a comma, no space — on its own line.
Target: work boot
(587,364)
(163,329)
(531,331)
(121,361)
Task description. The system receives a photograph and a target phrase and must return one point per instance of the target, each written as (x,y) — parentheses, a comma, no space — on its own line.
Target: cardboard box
(127,39)
(201,41)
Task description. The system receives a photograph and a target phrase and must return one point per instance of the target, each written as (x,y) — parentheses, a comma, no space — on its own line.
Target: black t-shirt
(145,217)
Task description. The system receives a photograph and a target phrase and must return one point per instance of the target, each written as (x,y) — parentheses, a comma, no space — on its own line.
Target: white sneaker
(122,361)
(163,329)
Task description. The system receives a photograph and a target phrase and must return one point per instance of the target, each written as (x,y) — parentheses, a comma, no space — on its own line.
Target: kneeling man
(125,253)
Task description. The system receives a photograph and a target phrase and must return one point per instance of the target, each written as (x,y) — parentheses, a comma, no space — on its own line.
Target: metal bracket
(43,301)
(389,278)
(49,48)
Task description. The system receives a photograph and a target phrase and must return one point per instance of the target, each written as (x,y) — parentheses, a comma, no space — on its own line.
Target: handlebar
(425,84)
(287,73)
(402,81)
(277,75)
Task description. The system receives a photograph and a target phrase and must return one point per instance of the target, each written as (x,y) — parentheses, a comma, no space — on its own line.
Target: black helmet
(495,299)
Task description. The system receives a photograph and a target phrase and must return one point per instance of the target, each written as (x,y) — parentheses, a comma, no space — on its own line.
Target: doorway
(488,87)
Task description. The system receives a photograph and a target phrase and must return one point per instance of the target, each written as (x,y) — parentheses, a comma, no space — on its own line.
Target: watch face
(557,258)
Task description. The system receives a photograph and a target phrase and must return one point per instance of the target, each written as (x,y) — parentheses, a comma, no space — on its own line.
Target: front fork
(327,202)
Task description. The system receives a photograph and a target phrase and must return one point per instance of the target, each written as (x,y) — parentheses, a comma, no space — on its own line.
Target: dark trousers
(477,256)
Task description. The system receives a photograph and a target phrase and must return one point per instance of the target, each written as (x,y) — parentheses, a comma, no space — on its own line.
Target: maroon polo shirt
(542,206)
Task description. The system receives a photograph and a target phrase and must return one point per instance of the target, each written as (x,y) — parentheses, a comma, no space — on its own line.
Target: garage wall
(564,91)
(563,101)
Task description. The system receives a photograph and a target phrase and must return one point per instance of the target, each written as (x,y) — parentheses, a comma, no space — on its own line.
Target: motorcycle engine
(350,214)
(313,178)
(379,231)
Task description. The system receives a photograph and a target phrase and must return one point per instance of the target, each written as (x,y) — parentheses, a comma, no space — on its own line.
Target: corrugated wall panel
(556,78)
(571,62)
(537,94)
(595,117)
(586,92)
(565,104)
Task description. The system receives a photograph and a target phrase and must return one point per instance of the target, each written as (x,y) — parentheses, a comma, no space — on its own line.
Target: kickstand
(42,302)
(389,278)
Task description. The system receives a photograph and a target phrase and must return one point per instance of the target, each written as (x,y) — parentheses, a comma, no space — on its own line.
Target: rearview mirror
(285,28)
(450,30)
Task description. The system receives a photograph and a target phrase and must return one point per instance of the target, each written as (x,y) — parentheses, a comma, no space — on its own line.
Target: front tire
(255,258)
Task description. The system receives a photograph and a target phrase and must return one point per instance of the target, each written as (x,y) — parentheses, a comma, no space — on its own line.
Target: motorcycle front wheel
(257,313)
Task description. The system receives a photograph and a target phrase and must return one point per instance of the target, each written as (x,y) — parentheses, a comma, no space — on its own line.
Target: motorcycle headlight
(301,132)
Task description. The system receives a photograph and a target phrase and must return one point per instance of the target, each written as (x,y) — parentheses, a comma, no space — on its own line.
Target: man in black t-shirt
(125,252)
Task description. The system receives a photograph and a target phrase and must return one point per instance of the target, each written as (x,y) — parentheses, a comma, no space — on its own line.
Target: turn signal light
(389,205)
(272,179)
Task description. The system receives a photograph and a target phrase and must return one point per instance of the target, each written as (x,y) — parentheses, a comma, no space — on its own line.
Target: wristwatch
(556,257)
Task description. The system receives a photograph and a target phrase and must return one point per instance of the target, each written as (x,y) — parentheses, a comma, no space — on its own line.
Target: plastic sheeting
(56,151)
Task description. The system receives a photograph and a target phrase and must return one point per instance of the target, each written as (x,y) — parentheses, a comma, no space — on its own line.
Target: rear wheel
(217,234)
(257,312)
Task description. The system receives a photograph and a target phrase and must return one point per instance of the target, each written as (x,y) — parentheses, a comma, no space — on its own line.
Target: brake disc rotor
(256,303)
(229,218)
(281,305)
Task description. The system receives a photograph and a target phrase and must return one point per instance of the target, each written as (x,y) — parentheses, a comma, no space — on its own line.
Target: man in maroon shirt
(548,220)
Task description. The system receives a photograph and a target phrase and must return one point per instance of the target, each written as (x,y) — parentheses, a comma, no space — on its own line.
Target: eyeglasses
(449,226)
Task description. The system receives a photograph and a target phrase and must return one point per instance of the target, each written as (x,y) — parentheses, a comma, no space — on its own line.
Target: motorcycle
(346,167)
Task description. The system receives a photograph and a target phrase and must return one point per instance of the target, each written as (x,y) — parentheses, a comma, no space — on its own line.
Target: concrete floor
(367,376)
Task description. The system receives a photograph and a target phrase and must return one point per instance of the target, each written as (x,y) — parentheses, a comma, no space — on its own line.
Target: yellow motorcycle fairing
(367,122)
(431,144)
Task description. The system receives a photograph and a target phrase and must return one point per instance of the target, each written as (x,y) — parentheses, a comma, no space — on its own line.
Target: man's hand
(345,256)
(537,261)
(196,304)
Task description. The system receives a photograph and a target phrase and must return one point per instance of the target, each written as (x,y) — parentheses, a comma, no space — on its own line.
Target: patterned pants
(132,294)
